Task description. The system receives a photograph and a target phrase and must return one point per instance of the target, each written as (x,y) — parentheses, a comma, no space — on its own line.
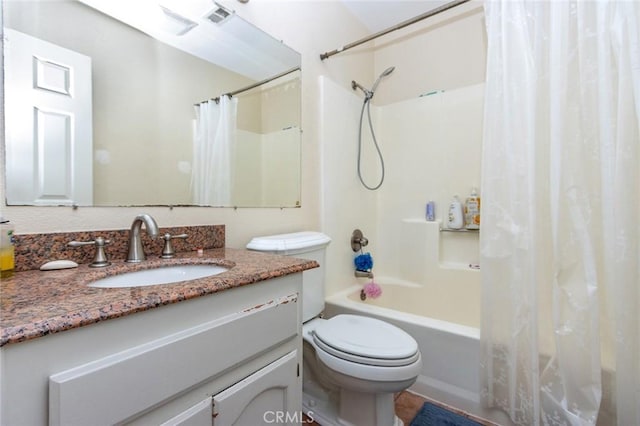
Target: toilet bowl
(367,361)
(352,365)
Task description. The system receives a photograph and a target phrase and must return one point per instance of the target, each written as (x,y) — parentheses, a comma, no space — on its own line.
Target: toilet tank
(305,245)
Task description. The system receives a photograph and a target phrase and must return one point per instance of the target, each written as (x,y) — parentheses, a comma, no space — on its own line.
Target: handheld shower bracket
(368,94)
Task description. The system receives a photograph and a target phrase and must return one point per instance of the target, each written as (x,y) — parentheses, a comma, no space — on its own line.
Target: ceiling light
(176,24)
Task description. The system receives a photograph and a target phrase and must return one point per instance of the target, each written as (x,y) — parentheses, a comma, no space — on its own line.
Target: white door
(48,111)
(267,396)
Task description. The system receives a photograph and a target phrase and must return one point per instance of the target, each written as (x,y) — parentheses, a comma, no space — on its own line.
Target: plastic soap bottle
(472,210)
(455,219)
(7,251)
(431,211)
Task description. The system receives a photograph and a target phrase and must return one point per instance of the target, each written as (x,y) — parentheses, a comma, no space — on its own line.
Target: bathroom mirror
(101,103)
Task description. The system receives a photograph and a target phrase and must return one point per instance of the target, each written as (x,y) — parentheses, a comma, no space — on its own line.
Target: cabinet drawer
(121,386)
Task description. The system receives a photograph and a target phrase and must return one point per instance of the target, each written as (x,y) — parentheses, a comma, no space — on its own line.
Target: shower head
(384,74)
(387,71)
(369,93)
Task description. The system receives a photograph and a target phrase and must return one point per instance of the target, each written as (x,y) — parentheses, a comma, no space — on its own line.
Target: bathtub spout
(364,274)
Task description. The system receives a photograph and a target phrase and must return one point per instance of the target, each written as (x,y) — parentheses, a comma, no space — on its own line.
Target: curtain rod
(253,86)
(394,28)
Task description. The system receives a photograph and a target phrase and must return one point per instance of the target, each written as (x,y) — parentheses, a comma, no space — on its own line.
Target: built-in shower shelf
(460,266)
(458,230)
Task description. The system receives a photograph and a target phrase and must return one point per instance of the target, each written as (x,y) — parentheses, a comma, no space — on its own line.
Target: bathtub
(444,319)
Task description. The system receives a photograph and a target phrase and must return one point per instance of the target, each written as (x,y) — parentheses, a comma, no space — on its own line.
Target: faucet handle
(167,251)
(358,240)
(100,259)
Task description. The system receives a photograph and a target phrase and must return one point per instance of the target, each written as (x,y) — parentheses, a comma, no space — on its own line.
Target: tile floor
(408,404)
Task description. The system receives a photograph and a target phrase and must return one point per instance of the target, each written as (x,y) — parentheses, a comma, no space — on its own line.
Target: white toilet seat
(366,348)
(366,337)
(379,362)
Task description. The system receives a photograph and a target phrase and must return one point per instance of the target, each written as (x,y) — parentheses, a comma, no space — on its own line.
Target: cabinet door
(198,415)
(267,396)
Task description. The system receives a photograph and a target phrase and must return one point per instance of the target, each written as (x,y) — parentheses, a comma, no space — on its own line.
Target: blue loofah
(363,262)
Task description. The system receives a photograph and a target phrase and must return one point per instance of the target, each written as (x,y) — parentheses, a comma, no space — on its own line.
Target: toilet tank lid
(296,242)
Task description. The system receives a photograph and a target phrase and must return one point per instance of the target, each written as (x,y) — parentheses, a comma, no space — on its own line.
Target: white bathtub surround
(432,149)
(561,200)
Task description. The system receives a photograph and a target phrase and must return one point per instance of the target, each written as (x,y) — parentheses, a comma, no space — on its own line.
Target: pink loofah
(372,290)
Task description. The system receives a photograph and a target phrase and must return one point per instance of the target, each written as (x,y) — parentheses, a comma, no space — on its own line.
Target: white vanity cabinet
(229,358)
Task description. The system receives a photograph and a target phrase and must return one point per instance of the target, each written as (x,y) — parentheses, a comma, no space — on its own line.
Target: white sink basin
(162,275)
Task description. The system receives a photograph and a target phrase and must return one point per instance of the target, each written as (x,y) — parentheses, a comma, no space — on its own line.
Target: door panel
(48,123)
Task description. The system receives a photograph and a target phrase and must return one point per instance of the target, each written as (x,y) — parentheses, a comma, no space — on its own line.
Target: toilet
(353,364)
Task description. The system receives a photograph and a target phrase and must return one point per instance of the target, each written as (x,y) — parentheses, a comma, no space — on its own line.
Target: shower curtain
(213,152)
(560,332)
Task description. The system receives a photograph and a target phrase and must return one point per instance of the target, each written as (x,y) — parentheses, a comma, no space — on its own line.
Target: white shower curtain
(213,152)
(560,332)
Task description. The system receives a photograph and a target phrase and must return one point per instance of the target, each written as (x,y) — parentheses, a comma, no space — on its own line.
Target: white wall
(446,51)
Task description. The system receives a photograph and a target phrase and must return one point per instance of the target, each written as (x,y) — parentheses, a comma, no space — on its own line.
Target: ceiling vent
(219,14)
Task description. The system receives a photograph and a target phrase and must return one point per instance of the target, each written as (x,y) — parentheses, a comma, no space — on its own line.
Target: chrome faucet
(136,252)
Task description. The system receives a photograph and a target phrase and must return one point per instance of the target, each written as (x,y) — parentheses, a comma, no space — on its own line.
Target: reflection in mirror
(101,113)
(247,147)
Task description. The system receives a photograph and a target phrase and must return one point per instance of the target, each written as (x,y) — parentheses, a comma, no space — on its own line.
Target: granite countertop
(36,303)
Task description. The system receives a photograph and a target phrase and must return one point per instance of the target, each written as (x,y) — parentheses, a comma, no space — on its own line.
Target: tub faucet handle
(358,240)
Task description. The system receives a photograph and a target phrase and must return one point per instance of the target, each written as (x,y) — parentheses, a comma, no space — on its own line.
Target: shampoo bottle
(455,219)
(472,210)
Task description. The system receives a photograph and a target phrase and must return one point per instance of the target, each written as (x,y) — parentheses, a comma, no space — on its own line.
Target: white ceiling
(233,43)
(238,45)
(378,15)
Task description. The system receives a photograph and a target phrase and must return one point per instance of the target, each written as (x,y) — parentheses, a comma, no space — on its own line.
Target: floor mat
(432,415)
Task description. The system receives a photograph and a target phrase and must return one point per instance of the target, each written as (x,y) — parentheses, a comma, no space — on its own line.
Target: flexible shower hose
(367,101)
